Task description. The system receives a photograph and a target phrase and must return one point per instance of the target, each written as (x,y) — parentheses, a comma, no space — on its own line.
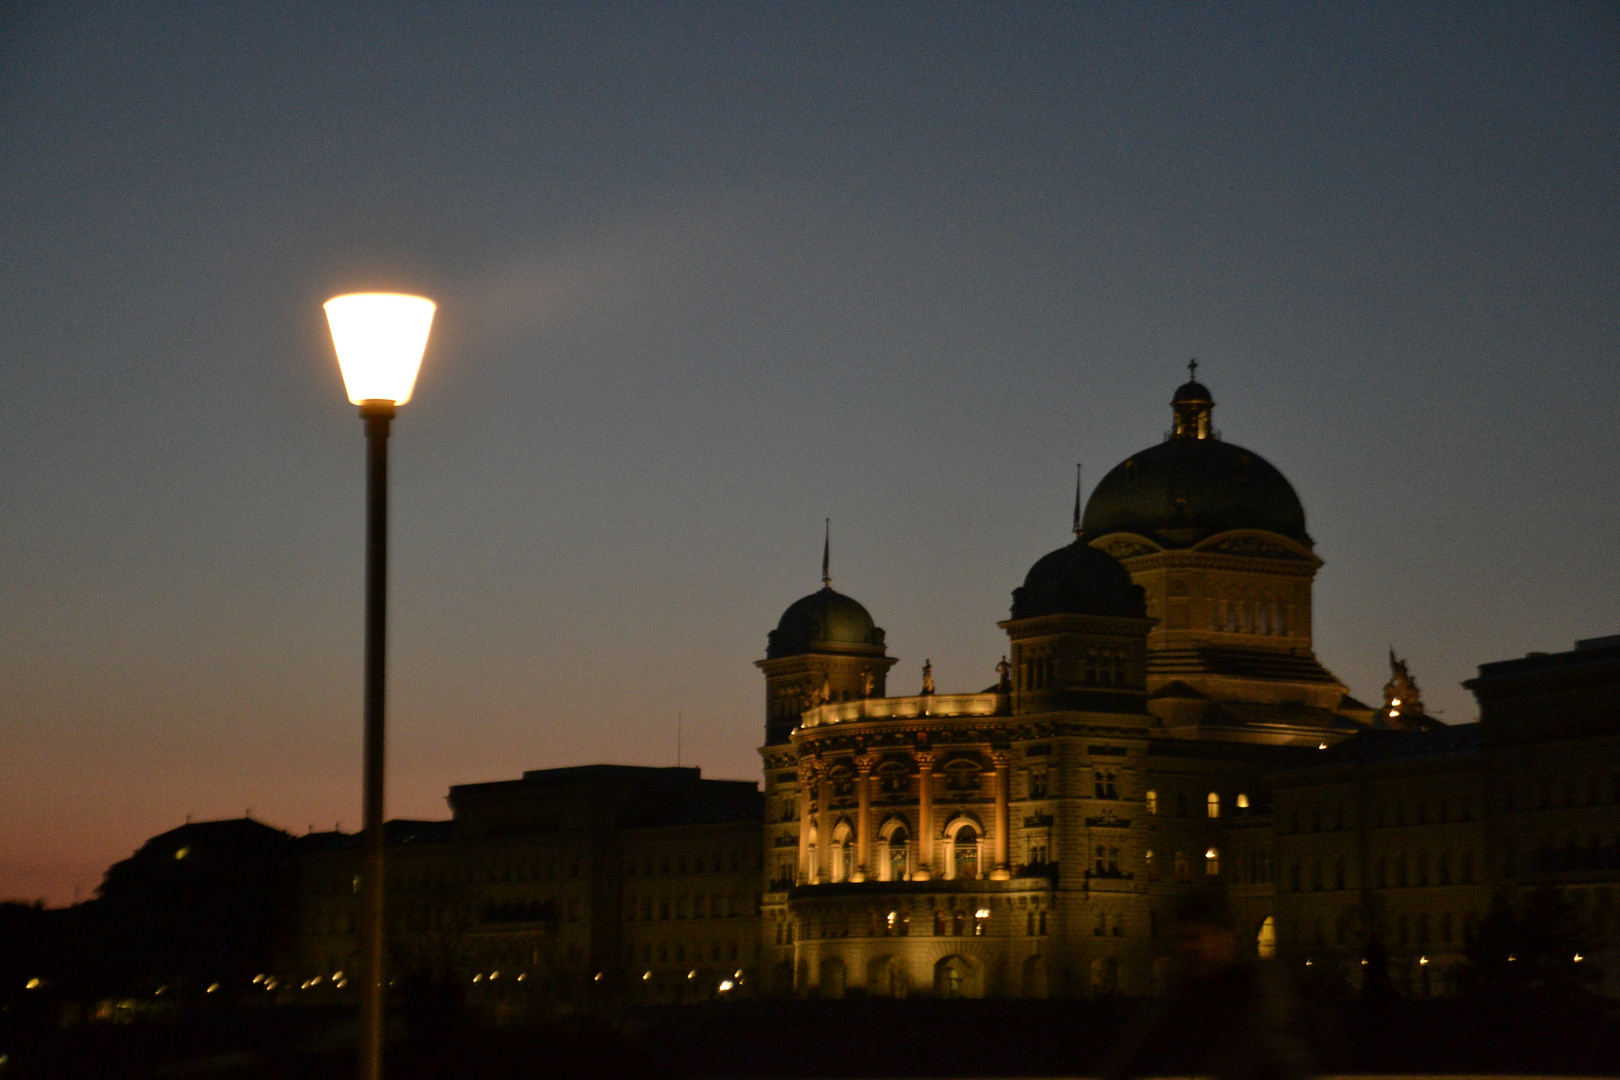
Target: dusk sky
(709,274)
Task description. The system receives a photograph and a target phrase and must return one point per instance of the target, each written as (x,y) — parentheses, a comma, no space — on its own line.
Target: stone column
(1003,763)
(807,777)
(863,820)
(924,870)
(824,827)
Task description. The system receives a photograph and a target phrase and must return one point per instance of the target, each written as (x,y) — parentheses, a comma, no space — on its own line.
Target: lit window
(1214,803)
(1153,802)
(1242,801)
(1212,862)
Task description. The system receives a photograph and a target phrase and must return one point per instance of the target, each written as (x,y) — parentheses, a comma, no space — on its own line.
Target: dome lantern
(1192,405)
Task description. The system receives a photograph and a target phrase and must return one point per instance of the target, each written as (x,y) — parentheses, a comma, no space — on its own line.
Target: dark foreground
(796,1039)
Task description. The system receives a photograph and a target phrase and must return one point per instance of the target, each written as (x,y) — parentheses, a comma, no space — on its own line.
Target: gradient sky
(708,274)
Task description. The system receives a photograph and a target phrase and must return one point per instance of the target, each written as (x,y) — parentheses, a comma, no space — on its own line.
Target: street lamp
(379,339)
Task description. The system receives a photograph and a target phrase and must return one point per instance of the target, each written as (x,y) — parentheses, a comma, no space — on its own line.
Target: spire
(826,554)
(1077,500)
(1192,370)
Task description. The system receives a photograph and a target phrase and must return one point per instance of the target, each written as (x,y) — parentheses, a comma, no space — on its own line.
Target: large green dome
(824,621)
(1192,486)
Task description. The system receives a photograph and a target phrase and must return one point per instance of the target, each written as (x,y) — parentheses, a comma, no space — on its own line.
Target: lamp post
(379,338)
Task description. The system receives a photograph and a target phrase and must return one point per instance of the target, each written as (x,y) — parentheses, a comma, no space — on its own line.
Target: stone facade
(1159,726)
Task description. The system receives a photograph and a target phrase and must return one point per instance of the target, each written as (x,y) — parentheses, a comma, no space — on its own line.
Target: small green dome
(1078,580)
(824,621)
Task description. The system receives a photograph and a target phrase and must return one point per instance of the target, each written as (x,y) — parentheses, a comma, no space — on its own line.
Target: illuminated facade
(1159,724)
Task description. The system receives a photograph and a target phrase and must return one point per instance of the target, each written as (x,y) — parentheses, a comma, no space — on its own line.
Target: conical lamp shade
(379,339)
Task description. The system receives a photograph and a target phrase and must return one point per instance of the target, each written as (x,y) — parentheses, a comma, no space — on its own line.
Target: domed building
(1215,536)
(1032,838)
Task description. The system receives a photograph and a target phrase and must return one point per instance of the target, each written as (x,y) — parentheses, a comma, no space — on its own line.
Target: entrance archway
(832,977)
(1035,985)
(1104,976)
(956,977)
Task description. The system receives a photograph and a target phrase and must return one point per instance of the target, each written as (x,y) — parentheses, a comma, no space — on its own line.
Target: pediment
(1255,544)
(1125,545)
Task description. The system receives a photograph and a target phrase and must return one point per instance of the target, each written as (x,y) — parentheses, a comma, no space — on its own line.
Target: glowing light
(1511,958)
(478,977)
(257,979)
(725,984)
(522,975)
(160,990)
(181,852)
(1242,801)
(33,984)
(598,976)
(340,983)
(645,976)
(316,980)
(1308,963)
(982,913)
(737,975)
(1423,961)
(1321,746)
(271,984)
(1211,854)
(337,976)
(379,338)
(212,987)
(494,975)
(1579,958)
(1363,961)
(692,974)
(1394,701)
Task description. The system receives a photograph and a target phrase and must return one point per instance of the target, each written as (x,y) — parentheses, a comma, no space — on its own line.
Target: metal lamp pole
(377,416)
(379,339)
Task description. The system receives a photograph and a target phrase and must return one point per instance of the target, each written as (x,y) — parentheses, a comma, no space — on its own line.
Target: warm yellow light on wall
(379,339)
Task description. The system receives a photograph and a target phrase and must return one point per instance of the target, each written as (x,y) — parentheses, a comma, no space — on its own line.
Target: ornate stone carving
(1125,547)
(1253,547)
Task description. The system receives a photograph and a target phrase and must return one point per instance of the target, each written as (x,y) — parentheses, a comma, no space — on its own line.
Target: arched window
(1266,940)
(965,853)
(1152,802)
(1242,801)
(893,778)
(1214,805)
(962,775)
(843,852)
(895,867)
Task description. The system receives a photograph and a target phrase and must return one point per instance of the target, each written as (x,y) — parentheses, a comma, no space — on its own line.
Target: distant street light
(379,339)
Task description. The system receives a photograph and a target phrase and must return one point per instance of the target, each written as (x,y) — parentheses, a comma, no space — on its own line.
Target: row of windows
(1319,819)
(713,862)
(667,952)
(402,880)
(1568,791)
(1212,802)
(1182,867)
(1243,616)
(684,907)
(1405,929)
(1400,872)
(1099,667)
